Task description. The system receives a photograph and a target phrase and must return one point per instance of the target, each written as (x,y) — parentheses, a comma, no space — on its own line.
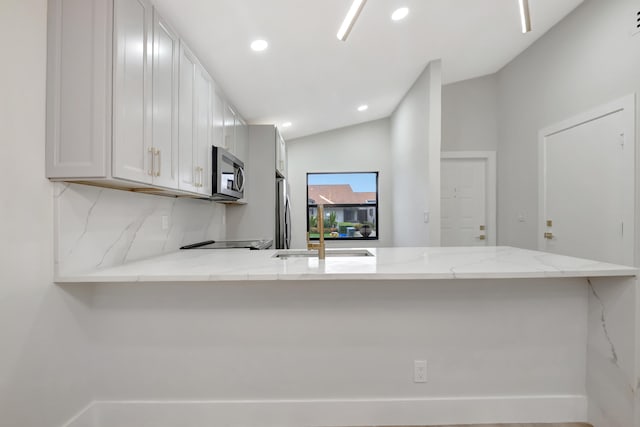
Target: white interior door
(588,187)
(464,201)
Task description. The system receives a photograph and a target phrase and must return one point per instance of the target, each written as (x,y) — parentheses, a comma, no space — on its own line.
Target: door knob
(548,235)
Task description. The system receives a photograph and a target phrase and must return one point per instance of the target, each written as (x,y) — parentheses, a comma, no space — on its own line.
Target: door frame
(626,104)
(490,185)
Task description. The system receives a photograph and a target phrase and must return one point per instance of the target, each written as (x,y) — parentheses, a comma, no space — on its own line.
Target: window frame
(345,205)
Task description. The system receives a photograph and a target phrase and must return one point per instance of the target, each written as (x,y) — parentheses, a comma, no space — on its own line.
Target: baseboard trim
(334,413)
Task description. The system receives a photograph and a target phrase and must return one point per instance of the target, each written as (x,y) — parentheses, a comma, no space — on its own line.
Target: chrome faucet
(320,245)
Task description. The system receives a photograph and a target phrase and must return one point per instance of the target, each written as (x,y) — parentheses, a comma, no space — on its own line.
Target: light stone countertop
(203,265)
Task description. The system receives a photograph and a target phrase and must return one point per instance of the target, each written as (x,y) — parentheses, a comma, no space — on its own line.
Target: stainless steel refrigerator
(267,214)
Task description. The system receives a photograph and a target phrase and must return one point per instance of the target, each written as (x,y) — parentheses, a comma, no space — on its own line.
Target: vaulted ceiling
(311,79)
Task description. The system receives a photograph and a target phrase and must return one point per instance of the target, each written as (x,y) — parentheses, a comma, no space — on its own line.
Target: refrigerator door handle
(287,224)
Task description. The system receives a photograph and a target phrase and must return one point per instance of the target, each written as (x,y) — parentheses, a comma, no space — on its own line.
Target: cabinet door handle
(199,177)
(152,152)
(159,163)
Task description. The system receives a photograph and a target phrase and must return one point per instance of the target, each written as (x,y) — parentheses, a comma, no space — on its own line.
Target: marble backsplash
(100,227)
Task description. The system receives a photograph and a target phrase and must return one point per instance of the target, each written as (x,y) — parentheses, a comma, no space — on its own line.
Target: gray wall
(44,354)
(360,148)
(415,154)
(587,60)
(470,115)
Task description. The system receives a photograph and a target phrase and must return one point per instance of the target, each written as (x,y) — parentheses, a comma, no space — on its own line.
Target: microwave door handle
(240,179)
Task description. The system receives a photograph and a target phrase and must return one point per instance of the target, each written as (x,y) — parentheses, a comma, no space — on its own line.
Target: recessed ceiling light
(400,14)
(363,108)
(286,125)
(259,45)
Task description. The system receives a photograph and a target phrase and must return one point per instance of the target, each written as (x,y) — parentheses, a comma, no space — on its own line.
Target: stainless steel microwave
(228,176)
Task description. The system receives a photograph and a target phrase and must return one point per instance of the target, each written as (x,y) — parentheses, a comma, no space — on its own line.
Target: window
(350,205)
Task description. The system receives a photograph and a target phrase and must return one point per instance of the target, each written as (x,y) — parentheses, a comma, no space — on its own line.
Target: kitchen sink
(329,253)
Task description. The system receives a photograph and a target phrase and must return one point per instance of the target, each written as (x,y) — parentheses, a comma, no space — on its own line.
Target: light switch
(426,217)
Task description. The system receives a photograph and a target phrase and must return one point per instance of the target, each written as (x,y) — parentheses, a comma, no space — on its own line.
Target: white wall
(470,115)
(334,344)
(469,122)
(415,154)
(360,148)
(46,361)
(587,60)
(44,355)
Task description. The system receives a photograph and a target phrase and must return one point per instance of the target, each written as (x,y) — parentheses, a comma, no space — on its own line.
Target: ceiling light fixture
(525,16)
(363,108)
(400,14)
(286,124)
(350,19)
(259,45)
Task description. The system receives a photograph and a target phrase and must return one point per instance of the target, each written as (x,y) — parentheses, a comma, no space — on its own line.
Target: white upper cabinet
(132,86)
(242,140)
(79,89)
(166,63)
(128,104)
(229,129)
(218,120)
(145,96)
(189,173)
(196,124)
(204,93)
(227,126)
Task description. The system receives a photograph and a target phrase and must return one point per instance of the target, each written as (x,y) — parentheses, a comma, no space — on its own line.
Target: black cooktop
(231,244)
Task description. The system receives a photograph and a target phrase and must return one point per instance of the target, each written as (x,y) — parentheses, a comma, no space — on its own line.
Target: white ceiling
(309,77)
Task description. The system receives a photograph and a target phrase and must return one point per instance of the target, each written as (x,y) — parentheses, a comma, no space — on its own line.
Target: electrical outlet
(165,222)
(636,24)
(419,371)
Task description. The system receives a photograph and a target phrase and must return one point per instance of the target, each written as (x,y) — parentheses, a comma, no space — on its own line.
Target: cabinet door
(79,75)
(188,172)
(218,120)
(242,140)
(204,130)
(166,51)
(132,90)
(229,129)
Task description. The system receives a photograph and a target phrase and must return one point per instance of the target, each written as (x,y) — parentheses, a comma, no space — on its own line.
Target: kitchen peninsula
(382,264)
(509,335)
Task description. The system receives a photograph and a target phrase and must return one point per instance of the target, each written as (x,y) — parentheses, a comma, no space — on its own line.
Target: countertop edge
(97,279)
